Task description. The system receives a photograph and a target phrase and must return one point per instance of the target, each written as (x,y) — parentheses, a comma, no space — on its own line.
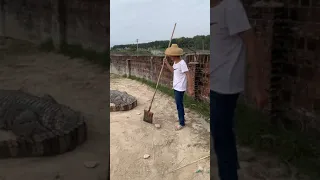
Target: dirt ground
(131,139)
(73,82)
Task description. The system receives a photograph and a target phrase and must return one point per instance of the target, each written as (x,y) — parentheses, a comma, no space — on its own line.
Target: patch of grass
(202,108)
(293,146)
(77,51)
(254,130)
(47,46)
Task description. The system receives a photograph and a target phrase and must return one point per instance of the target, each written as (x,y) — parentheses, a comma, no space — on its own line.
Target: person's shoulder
(232,4)
(183,61)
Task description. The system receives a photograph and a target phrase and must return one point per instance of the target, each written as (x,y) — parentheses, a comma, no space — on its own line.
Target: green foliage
(197,42)
(47,45)
(255,130)
(131,52)
(77,51)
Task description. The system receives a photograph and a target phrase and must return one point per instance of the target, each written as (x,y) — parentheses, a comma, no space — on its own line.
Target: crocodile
(121,101)
(42,126)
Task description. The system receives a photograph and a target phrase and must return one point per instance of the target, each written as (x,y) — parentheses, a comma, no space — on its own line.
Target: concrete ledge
(50,146)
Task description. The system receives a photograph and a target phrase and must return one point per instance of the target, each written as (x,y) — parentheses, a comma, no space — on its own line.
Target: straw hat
(174,50)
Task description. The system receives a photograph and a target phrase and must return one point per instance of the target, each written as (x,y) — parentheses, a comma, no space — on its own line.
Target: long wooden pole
(161,69)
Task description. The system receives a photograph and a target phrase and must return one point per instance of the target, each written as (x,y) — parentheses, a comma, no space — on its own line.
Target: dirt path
(73,82)
(131,138)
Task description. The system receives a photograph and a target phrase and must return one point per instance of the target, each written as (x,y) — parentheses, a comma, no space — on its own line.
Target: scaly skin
(36,118)
(122,101)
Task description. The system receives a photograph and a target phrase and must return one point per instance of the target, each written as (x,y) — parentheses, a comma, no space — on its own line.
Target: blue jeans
(222,110)
(178,95)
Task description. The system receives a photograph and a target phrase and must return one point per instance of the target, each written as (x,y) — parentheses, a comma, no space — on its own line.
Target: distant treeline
(196,42)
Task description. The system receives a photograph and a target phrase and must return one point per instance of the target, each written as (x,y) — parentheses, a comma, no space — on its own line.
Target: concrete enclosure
(148,67)
(74,21)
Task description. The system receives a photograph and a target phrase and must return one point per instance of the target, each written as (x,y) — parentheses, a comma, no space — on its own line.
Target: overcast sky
(150,20)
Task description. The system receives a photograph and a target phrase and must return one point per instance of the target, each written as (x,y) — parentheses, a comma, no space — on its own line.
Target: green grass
(298,148)
(254,131)
(47,46)
(77,51)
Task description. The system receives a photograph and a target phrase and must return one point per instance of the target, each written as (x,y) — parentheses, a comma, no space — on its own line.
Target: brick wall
(148,67)
(288,35)
(74,21)
(288,38)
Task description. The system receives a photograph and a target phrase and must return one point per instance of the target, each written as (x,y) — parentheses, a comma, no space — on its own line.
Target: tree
(196,42)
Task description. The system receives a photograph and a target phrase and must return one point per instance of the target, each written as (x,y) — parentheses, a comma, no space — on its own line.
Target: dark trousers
(222,110)
(178,95)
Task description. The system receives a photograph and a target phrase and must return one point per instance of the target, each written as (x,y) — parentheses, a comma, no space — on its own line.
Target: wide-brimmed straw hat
(174,50)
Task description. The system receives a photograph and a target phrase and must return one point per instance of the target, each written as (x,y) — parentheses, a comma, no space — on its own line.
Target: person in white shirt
(181,78)
(232,41)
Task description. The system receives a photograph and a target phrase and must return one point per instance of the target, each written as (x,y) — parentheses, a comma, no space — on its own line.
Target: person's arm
(238,24)
(189,82)
(168,65)
(185,69)
(260,94)
(249,40)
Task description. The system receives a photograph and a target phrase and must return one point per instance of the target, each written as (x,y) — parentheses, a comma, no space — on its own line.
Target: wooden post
(55,32)
(151,69)
(128,68)
(58,23)
(2,23)
(194,70)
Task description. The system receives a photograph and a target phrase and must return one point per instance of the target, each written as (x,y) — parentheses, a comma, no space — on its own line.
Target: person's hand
(190,91)
(260,97)
(165,60)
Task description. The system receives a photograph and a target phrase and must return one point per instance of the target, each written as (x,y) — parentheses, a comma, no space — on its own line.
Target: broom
(148,115)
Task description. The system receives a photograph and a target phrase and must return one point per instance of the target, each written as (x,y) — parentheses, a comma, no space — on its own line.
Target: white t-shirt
(179,76)
(227,50)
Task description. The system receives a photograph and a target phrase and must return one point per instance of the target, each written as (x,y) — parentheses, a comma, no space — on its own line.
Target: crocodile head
(64,119)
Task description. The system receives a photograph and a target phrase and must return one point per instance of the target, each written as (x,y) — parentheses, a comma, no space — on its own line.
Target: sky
(150,20)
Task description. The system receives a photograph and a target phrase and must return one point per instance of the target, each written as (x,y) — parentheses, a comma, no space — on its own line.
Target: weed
(47,46)
(77,51)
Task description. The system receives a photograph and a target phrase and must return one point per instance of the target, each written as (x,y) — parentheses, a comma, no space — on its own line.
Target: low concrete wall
(73,21)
